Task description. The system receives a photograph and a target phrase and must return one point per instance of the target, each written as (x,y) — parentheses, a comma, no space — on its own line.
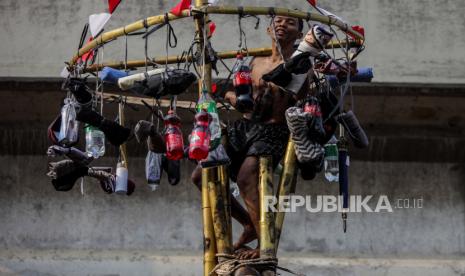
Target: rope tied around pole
(229,266)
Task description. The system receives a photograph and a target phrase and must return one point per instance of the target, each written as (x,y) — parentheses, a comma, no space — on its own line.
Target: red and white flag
(112,5)
(182,5)
(358,29)
(211,28)
(89,55)
(185,5)
(97,21)
(312,2)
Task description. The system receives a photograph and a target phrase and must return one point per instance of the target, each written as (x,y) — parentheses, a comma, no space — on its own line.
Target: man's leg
(237,212)
(247,180)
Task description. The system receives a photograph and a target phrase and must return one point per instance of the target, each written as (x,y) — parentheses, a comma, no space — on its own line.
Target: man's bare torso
(281,99)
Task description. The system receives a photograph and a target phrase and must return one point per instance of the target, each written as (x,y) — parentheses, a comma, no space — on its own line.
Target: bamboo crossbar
(266,51)
(283,12)
(163,102)
(154,20)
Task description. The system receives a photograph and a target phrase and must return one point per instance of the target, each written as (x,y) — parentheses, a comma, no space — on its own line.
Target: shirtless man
(262,132)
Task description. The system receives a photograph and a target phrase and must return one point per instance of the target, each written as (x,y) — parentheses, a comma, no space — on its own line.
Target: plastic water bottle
(200,138)
(243,86)
(173,137)
(331,161)
(208,104)
(95,142)
(121,185)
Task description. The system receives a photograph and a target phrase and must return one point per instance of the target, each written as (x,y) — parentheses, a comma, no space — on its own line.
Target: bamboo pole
(283,12)
(224,180)
(199,21)
(223,55)
(267,230)
(209,244)
(163,102)
(286,183)
(176,59)
(203,8)
(219,213)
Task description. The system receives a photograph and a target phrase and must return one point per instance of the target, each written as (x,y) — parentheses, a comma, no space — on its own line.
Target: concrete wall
(407,41)
(34,216)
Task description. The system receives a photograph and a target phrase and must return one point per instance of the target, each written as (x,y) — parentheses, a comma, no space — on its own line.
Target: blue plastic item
(111,75)
(364,74)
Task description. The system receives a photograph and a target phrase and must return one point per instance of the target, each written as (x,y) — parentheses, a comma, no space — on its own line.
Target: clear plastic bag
(69,129)
(153,169)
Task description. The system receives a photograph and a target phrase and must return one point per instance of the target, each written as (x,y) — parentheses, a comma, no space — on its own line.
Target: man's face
(286,29)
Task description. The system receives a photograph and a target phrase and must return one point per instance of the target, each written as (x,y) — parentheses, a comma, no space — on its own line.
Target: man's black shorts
(247,138)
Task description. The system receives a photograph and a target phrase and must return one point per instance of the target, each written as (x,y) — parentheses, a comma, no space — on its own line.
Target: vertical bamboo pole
(209,244)
(218,211)
(199,27)
(209,236)
(224,179)
(286,186)
(267,222)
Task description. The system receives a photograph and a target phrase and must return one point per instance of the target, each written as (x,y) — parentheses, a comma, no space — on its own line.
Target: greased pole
(209,241)
(286,186)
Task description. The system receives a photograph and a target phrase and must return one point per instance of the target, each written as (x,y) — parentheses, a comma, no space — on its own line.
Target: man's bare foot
(249,254)
(247,236)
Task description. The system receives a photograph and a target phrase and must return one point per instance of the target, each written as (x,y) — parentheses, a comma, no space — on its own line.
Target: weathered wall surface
(407,41)
(34,216)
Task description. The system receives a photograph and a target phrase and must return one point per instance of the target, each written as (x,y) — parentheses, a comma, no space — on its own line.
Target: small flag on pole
(112,5)
(182,5)
(97,22)
(89,55)
(358,29)
(312,2)
(212,28)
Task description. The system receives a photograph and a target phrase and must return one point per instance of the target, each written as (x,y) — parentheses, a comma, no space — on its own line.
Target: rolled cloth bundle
(168,82)
(65,173)
(173,169)
(364,74)
(216,157)
(306,149)
(108,181)
(354,129)
(74,154)
(78,88)
(145,130)
(126,83)
(61,168)
(291,75)
(115,133)
(159,82)
(111,75)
